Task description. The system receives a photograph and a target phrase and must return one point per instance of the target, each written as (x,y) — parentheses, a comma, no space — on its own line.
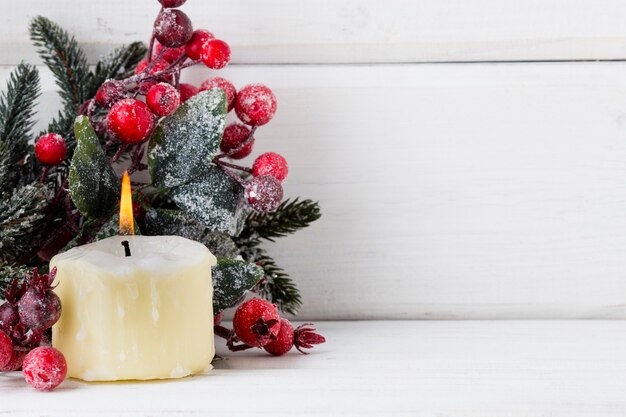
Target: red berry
(215,54)
(271,163)
(130,120)
(40,307)
(264,193)
(17,358)
(163,99)
(8,316)
(172,28)
(284,340)
(6,349)
(256,322)
(234,136)
(193,49)
(169,55)
(109,92)
(50,149)
(172,3)
(144,86)
(255,104)
(226,86)
(44,368)
(187,91)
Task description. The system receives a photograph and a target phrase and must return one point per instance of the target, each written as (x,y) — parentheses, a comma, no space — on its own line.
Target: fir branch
(119,64)
(9,272)
(276,285)
(17,105)
(290,216)
(67,61)
(5,165)
(20,214)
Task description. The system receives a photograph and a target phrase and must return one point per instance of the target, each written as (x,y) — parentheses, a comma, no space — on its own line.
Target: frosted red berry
(215,54)
(172,28)
(226,86)
(235,135)
(271,163)
(6,349)
(256,322)
(193,49)
(284,340)
(44,368)
(17,358)
(110,92)
(50,149)
(130,120)
(172,3)
(187,91)
(163,99)
(9,316)
(264,193)
(39,308)
(169,54)
(255,104)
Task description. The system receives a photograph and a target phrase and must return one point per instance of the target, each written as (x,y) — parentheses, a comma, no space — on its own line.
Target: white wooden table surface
(380,368)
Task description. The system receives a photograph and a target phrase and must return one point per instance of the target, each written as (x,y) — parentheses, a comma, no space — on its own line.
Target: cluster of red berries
(257,324)
(118,113)
(31,309)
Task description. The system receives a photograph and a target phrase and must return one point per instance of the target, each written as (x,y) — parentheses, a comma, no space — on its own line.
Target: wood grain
(348,31)
(451,191)
(477,369)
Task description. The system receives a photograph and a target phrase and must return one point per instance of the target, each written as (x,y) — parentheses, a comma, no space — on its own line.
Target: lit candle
(135,307)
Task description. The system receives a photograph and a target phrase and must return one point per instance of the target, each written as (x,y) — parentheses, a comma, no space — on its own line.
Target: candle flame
(127,224)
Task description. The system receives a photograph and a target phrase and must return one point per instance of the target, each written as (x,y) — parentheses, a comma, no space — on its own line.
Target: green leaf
(231,280)
(183,145)
(178,223)
(94,187)
(214,199)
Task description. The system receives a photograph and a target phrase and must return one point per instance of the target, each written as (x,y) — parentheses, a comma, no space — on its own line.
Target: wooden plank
(451,191)
(486,369)
(348,31)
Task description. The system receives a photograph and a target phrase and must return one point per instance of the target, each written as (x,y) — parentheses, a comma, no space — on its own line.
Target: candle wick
(126,247)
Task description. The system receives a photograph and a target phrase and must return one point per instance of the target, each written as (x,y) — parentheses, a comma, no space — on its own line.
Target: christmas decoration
(132,110)
(44,368)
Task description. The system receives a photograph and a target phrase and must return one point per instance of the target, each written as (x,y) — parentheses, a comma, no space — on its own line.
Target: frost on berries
(44,368)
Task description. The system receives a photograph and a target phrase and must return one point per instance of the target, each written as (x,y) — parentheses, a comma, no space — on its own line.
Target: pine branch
(276,285)
(20,214)
(17,105)
(290,216)
(67,61)
(10,272)
(119,64)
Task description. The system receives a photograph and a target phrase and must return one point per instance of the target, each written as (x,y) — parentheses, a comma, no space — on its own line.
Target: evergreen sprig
(290,216)
(9,272)
(119,64)
(17,104)
(67,61)
(20,213)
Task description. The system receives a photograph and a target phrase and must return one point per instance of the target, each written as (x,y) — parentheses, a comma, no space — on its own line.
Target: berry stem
(157,59)
(119,153)
(44,172)
(218,161)
(151,44)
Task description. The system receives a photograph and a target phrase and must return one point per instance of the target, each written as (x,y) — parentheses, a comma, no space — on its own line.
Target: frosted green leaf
(214,199)
(231,280)
(94,186)
(176,222)
(183,145)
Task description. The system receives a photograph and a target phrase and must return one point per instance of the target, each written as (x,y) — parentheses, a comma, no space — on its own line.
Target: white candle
(144,316)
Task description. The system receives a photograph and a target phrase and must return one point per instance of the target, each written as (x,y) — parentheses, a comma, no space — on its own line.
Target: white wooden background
(459,175)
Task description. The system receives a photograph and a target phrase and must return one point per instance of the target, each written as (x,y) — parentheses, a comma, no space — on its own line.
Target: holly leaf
(183,145)
(231,280)
(214,199)
(176,222)
(94,186)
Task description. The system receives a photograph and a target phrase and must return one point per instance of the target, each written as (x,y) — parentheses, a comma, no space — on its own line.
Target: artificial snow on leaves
(231,280)
(176,222)
(94,187)
(183,145)
(214,199)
